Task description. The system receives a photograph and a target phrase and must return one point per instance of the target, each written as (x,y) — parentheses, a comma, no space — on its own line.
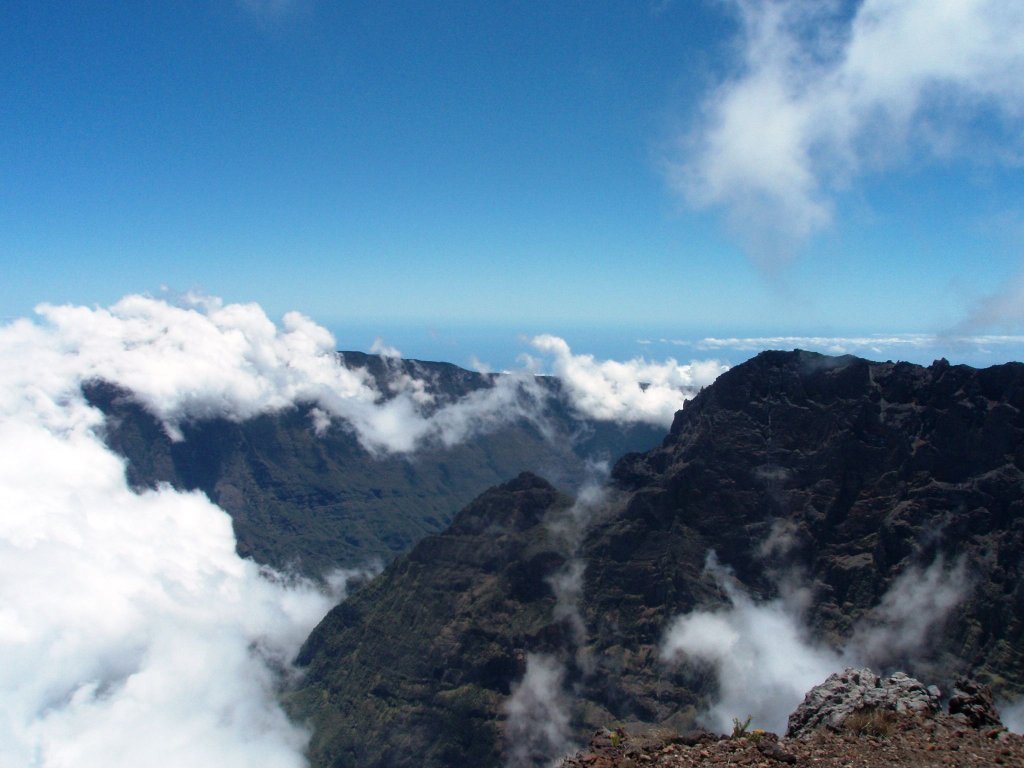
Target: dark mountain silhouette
(837,472)
(316,502)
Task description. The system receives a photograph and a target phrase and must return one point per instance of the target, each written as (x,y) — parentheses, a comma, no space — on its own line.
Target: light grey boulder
(856,690)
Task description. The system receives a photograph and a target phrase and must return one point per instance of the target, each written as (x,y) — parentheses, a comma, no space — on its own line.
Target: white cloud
(206,359)
(763,656)
(569,527)
(837,345)
(915,604)
(636,390)
(1012,715)
(537,730)
(131,632)
(821,97)
(920,346)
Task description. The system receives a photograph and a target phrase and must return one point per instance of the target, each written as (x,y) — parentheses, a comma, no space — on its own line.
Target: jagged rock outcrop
(973,703)
(854,718)
(855,691)
(843,474)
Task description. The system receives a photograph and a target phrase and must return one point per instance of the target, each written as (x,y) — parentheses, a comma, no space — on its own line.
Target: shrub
(739,730)
(871,721)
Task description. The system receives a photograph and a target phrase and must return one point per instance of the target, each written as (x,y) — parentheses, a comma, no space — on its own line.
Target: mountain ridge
(846,475)
(312,502)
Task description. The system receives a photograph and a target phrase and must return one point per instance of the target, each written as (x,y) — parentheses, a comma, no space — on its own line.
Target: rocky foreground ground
(834,729)
(911,742)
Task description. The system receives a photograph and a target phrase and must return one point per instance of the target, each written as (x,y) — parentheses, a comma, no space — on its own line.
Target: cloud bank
(131,632)
(823,93)
(206,359)
(961,345)
(764,659)
(636,390)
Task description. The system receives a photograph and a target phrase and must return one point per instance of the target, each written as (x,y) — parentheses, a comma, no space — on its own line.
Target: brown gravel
(939,741)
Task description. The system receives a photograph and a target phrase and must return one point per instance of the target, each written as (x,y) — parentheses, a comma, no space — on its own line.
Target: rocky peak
(853,691)
(517,505)
(972,702)
(855,717)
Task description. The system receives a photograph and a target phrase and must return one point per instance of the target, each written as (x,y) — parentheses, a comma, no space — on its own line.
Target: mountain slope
(314,502)
(848,478)
(415,666)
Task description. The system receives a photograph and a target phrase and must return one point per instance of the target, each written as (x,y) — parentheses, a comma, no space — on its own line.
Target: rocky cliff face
(849,473)
(316,502)
(837,474)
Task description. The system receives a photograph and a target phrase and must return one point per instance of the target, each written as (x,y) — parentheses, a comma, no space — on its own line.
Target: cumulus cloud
(765,660)
(203,358)
(537,732)
(821,95)
(636,390)
(131,632)
(207,359)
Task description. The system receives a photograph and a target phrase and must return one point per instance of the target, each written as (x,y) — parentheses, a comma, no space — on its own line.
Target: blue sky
(451,175)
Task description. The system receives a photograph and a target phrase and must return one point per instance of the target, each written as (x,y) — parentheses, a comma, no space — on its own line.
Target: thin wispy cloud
(763,654)
(821,97)
(538,730)
(272,9)
(895,345)
(1003,309)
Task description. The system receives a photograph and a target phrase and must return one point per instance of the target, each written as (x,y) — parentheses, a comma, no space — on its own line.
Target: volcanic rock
(855,691)
(839,473)
(973,702)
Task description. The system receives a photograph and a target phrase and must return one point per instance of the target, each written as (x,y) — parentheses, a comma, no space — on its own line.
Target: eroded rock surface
(855,691)
(854,718)
(973,702)
(841,472)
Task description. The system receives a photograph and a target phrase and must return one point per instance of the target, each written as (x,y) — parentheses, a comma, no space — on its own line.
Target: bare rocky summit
(855,719)
(853,691)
